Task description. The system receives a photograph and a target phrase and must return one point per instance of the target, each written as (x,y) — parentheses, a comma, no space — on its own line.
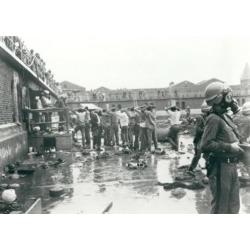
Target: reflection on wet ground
(91,187)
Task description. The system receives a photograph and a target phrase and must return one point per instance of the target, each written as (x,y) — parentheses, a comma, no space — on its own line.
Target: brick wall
(6,102)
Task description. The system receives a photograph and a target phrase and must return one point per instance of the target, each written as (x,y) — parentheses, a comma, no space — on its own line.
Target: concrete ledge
(9,130)
(13,147)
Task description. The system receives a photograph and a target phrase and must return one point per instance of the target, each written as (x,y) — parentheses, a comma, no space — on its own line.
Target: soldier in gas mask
(220,145)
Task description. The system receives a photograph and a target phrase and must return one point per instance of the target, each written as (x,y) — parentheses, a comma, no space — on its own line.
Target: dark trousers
(81,128)
(143,138)
(114,134)
(87,134)
(107,136)
(133,135)
(131,132)
(124,135)
(224,185)
(173,136)
(96,133)
(196,158)
(149,138)
(154,138)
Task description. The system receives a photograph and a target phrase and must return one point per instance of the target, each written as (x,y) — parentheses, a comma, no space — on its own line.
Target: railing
(31,60)
(33,118)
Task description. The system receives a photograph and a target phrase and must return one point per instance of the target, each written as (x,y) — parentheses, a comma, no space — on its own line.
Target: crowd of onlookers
(31,59)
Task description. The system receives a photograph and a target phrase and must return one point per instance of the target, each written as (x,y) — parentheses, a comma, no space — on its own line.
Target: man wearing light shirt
(124,121)
(173,134)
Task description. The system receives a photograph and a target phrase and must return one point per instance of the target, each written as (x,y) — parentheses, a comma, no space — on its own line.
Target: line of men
(135,126)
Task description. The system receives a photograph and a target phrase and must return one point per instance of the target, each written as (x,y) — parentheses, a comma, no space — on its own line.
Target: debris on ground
(136,164)
(106,210)
(178,193)
(10,208)
(103,155)
(9,196)
(14,176)
(56,191)
(86,152)
(160,151)
(196,185)
(25,171)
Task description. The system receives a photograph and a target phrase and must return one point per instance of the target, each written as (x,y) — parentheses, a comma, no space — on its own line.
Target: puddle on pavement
(90,188)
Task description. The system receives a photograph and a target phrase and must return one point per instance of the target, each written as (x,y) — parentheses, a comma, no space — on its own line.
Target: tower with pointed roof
(245,77)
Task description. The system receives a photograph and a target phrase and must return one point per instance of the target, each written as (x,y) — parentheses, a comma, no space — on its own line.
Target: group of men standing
(134,128)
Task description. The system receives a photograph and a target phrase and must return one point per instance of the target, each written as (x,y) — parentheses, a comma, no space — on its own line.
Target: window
(14,89)
(183,105)
(243,101)
(124,95)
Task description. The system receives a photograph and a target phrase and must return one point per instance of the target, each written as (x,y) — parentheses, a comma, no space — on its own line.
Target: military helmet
(215,91)
(246,108)
(204,107)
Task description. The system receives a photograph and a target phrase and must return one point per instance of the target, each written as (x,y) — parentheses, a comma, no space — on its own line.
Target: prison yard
(65,149)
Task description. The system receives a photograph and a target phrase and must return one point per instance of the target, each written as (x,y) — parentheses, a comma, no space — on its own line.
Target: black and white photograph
(131,120)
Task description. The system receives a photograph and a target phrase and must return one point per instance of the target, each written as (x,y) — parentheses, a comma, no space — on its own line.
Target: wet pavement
(92,186)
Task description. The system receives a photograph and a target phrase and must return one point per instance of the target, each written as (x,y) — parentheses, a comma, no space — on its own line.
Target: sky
(143,44)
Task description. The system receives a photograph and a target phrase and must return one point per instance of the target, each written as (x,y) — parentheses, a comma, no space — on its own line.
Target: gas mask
(229,102)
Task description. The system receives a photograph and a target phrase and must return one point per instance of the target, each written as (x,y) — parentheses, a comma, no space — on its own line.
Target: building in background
(182,94)
(73,92)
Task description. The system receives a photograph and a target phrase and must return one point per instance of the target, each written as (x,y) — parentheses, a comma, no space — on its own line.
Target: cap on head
(46,92)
